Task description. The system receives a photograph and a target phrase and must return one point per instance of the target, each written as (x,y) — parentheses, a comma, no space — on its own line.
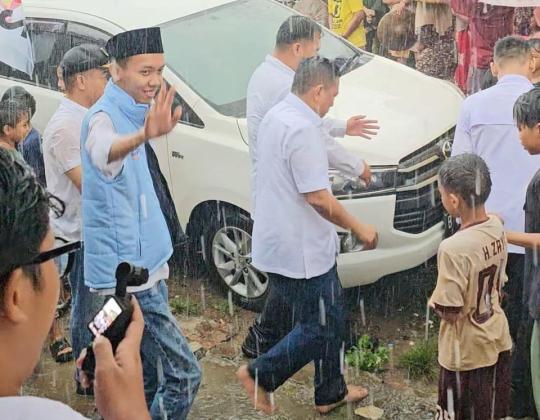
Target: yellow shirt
(342,13)
(472,266)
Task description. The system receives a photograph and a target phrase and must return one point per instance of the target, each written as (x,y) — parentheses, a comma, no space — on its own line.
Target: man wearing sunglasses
(29,288)
(84,74)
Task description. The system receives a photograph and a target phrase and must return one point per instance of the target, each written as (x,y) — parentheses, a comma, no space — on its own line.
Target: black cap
(83,58)
(136,42)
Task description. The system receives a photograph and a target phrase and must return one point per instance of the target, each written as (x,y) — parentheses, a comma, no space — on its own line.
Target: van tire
(237,226)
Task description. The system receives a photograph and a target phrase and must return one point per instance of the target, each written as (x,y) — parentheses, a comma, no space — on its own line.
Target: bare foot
(355,394)
(258,396)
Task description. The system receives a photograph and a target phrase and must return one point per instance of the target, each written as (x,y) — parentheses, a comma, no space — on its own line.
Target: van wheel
(227,251)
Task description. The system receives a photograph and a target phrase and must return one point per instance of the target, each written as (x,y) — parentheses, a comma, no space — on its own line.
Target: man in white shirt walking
(486,127)
(84,73)
(297,38)
(295,241)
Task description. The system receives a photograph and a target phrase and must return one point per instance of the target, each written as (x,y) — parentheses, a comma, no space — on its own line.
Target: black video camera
(114,317)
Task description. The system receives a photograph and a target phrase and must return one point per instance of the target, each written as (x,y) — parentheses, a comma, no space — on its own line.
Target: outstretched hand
(160,120)
(359,126)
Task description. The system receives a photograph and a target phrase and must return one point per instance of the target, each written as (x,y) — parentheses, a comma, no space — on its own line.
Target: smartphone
(105,317)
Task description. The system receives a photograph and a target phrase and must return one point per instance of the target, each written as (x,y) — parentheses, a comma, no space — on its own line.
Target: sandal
(61,351)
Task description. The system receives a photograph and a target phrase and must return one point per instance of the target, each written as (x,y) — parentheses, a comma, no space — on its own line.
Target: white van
(212,48)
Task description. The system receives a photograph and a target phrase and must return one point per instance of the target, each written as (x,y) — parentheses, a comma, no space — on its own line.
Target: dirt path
(215,328)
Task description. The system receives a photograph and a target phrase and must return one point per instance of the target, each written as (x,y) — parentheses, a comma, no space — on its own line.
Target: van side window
(188,115)
(51,39)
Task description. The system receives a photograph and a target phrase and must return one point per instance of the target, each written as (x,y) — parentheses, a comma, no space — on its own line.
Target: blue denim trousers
(318,309)
(84,306)
(171,372)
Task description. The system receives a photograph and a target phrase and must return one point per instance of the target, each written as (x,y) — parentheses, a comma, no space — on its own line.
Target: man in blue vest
(122,218)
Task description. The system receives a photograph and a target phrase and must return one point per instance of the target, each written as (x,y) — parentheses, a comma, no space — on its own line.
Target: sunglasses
(46,256)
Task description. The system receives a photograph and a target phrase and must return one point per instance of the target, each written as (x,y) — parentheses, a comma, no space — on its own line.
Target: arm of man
(107,149)
(309,165)
(462,137)
(159,121)
(447,299)
(526,240)
(75,176)
(66,150)
(358,17)
(332,210)
(342,160)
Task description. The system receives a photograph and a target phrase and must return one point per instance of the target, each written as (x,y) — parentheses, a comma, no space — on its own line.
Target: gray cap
(83,58)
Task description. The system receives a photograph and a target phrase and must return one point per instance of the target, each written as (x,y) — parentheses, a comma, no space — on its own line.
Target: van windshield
(216,51)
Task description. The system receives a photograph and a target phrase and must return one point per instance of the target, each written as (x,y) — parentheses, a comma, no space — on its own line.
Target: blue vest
(122,218)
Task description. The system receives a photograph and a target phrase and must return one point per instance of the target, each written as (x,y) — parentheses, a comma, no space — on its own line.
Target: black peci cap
(136,42)
(83,58)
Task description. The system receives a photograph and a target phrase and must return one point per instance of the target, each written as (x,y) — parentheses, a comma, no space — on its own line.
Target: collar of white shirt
(73,105)
(273,61)
(514,78)
(301,106)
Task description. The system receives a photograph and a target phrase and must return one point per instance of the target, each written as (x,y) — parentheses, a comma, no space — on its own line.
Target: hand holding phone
(118,383)
(111,321)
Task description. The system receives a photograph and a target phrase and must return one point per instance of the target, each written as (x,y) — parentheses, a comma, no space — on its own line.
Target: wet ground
(394,312)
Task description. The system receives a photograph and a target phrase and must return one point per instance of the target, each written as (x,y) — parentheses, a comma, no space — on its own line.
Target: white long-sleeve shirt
(271,83)
(486,128)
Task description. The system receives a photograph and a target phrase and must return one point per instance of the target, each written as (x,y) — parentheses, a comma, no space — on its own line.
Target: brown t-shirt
(472,266)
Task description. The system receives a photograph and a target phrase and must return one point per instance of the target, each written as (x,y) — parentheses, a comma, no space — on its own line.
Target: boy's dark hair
(24,219)
(527,109)
(467,176)
(21,95)
(312,72)
(11,113)
(511,48)
(296,28)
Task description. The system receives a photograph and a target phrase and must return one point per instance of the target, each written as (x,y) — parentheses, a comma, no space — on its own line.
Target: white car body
(211,164)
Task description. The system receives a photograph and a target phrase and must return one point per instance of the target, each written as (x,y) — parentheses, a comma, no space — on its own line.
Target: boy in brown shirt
(474,340)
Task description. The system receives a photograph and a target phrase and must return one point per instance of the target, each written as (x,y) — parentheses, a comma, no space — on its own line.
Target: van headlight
(383,181)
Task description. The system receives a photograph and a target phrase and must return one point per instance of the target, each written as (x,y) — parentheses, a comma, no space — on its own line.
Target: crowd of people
(94,183)
(448,39)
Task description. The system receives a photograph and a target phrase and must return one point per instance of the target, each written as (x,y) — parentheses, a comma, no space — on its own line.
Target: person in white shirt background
(295,242)
(298,38)
(84,74)
(486,127)
(29,288)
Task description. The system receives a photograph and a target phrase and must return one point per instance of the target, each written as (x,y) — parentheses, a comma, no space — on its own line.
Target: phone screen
(105,317)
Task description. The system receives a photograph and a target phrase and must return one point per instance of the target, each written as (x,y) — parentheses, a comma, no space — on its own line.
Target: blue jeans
(84,306)
(171,372)
(318,308)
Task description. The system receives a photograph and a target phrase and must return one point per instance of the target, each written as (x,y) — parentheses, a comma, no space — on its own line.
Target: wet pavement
(216,336)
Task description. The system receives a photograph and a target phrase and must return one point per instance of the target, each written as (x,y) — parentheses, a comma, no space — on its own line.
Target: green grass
(365,356)
(181,305)
(421,360)
(222,306)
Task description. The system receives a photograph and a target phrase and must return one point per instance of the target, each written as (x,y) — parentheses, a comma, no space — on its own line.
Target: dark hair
(122,62)
(24,218)
(511,47)
(312,72)
(21,95)
(527,109)
(11,112)
(296,28)
(466,175)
